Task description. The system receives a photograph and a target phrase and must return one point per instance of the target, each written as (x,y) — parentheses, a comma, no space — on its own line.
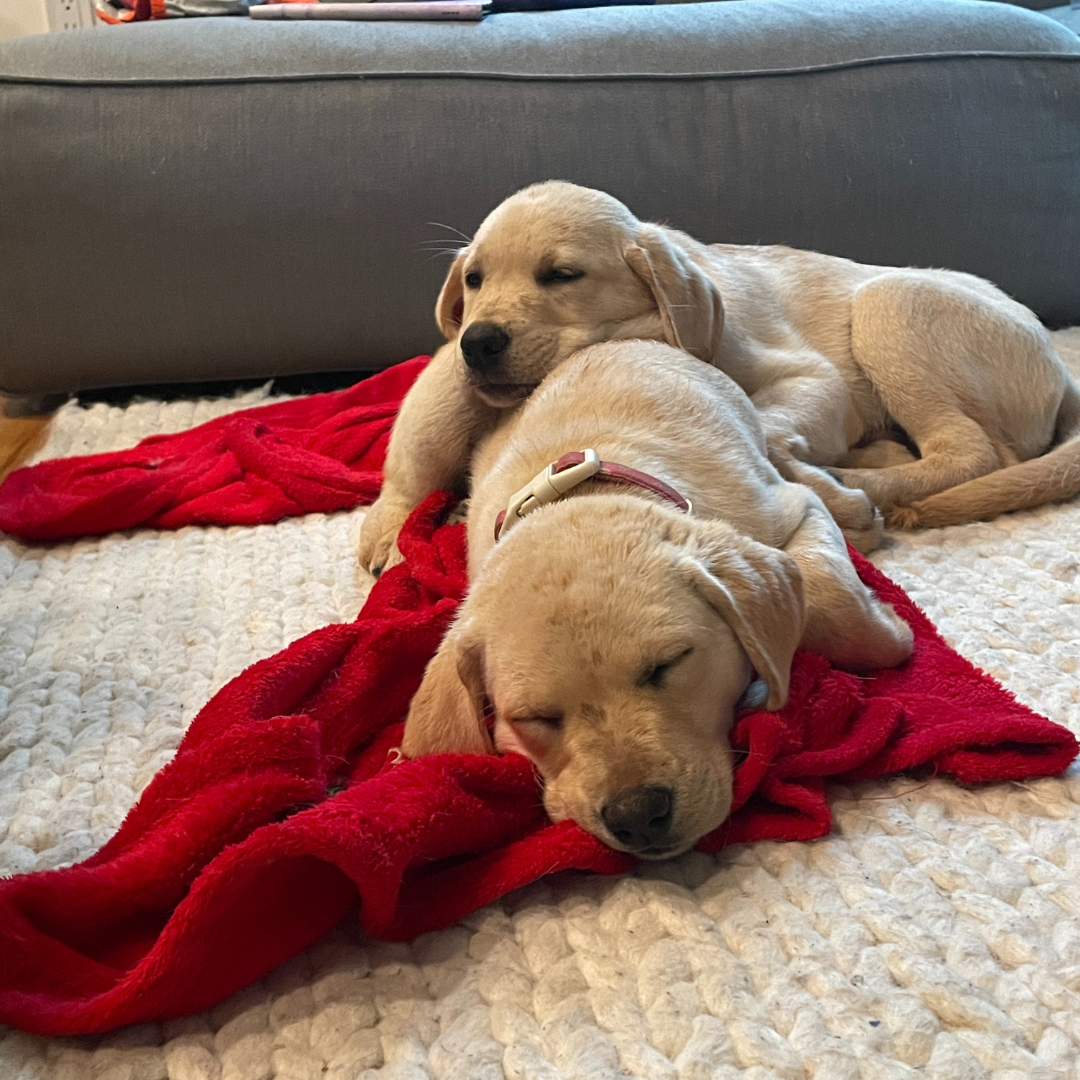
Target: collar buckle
(546,487)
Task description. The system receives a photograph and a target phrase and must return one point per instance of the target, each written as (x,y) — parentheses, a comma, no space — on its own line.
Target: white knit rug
(935,933)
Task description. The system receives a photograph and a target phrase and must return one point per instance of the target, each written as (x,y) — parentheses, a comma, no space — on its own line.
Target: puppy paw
(903,517)
(887,641)
(854,511)
(869,636)
(460,514)
(868,539)
(851,508)
(378,549)
(874,483)
(788,445)
(905,636)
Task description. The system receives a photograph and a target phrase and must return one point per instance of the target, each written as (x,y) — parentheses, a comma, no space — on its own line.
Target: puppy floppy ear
(691,308)
(450,306)
(446,714)
(758,592)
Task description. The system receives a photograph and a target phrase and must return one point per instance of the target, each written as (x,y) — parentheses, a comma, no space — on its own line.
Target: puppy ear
(691,308)
(758,591)
(446,714)
(449,308)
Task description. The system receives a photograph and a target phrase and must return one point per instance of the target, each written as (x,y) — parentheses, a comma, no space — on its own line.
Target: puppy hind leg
(930,348)
(845,622)
(1050,478)
(955,452)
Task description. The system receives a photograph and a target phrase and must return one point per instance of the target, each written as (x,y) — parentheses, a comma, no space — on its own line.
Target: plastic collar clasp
(545,488)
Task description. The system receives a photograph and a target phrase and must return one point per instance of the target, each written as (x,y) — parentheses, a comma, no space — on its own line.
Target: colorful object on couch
(114,12)
(314,454)
(376,11)
(283,808)
(120,11)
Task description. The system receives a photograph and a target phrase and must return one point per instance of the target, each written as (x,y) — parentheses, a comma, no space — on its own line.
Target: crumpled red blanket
(284,809)
(314,454)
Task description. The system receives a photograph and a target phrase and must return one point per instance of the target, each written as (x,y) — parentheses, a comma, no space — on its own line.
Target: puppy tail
(1052,477)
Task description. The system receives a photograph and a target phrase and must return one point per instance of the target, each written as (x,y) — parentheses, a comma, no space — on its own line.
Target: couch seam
(510,76)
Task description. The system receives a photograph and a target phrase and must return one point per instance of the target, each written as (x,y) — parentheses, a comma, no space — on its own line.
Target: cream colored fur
(840,359)
(614,635)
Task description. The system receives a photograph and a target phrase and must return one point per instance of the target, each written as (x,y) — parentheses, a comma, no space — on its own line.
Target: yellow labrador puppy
(637,591)
(851,367)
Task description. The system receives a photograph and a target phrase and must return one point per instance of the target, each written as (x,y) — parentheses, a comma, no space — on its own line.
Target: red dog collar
(575,468)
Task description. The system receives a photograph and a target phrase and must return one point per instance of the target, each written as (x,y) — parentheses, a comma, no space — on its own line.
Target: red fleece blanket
(283,808)
(315,454)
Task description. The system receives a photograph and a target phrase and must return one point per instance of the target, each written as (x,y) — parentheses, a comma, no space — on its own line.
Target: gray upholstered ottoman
(220,198)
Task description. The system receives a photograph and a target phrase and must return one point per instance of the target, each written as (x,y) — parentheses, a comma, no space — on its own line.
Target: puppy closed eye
(656,676)
(545,723)
(536,735)
(558,275)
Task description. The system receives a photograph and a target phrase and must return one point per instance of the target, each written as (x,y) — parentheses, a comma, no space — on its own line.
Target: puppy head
(557,267)
(614,640)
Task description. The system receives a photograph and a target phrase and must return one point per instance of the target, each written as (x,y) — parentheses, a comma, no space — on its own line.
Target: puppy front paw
(855,513)
(874,483)
(896,642)
(866,539)
(378,549)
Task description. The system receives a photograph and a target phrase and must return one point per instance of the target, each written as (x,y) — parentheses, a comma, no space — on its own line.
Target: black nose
(640,817)
(482,345)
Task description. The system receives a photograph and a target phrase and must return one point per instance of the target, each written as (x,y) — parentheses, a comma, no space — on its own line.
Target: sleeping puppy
(612,630)
(930,391)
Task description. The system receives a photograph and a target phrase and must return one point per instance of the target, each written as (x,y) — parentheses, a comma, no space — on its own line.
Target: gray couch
(223,198)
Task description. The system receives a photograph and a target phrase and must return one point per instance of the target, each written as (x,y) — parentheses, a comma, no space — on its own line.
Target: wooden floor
(21,433)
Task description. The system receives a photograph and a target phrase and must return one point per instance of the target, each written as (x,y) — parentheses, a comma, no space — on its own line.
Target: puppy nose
(639,817)
(482,345)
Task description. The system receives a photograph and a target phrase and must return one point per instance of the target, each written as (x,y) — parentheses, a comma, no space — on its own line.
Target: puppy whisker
(440,252)
(440,225)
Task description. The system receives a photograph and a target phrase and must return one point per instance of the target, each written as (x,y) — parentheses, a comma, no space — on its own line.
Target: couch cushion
(224,198)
